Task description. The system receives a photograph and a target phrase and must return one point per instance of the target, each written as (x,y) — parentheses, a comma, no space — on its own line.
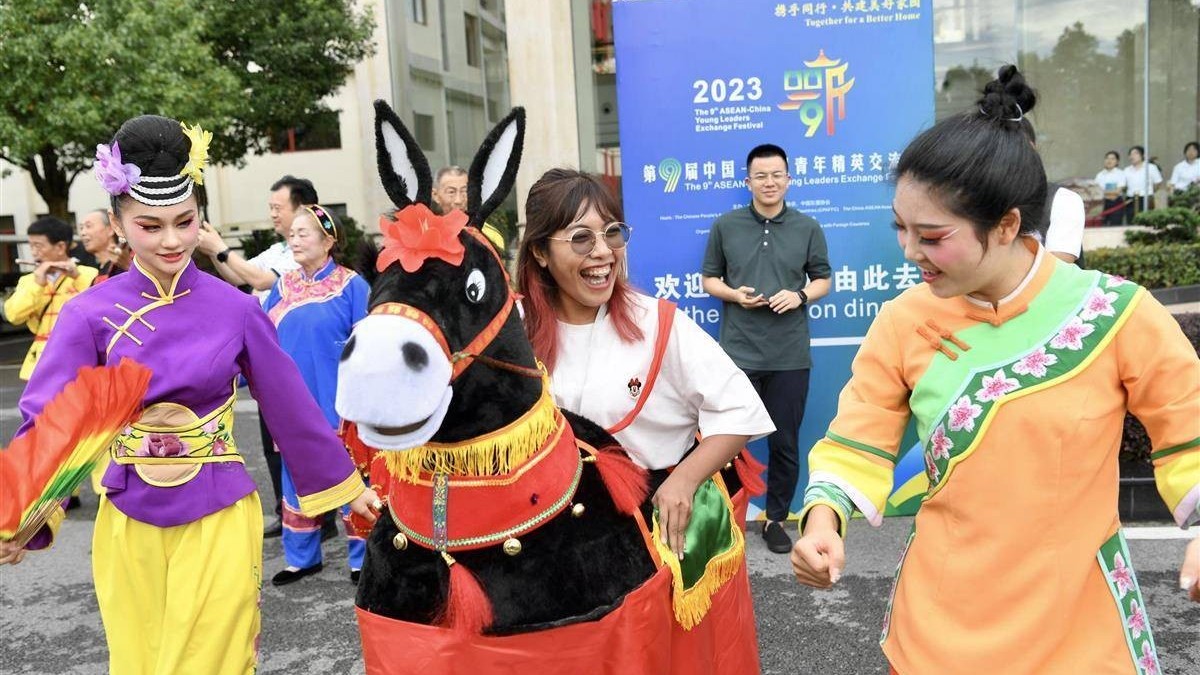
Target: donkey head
(442,355)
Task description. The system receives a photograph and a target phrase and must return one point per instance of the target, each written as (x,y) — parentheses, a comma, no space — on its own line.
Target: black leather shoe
(291,576)
(354,575)
(777,540)
(273,529)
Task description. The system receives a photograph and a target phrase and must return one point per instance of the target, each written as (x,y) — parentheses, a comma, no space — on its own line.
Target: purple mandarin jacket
(205,332)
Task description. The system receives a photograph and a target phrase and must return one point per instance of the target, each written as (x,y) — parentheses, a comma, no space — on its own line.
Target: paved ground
(49,621)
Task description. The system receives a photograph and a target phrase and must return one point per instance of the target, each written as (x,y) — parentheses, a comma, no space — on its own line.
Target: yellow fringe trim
(493,454)
(691,605)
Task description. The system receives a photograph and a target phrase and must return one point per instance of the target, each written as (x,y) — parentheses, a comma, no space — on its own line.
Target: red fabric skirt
(640,636)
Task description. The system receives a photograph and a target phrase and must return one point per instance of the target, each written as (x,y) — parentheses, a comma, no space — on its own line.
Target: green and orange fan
(44,466)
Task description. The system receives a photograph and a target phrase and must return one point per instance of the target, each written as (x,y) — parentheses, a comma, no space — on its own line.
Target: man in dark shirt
(766,263)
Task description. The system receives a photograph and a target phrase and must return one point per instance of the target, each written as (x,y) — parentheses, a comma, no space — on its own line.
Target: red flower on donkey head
(415,234)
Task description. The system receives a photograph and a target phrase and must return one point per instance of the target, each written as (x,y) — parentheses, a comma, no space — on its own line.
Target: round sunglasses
(583,239)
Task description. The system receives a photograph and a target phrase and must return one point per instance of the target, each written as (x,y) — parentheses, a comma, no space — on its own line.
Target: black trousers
(784,393)
(274,463)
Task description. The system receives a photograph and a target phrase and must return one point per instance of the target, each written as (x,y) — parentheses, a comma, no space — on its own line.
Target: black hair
(300,190)
(53,229)
(1191,144)
(980,163)
(158,147)
(1114,153)
(765,150)
(1140,150)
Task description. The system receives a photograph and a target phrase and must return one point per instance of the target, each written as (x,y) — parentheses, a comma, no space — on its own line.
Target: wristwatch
(224,255)
(803,297)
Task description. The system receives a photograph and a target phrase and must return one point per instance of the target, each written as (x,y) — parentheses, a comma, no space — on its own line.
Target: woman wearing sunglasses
(607,346)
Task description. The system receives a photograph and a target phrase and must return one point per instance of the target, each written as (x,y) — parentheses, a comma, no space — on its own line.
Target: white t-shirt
(1112,180)
(1065,233)
(276,258)
(1185,173)
(1135,178)
(698,386)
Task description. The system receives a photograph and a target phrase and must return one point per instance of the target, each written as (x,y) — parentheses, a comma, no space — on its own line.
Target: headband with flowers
(324,219)
(118,178)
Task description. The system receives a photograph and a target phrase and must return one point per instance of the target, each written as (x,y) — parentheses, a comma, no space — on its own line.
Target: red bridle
(460,360)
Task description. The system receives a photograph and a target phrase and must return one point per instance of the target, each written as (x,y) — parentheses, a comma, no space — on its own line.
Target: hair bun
(1008,97)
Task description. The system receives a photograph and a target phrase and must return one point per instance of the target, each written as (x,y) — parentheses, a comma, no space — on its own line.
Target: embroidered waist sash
(169,443)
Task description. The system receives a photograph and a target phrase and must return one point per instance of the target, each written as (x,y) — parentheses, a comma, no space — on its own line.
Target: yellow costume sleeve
(854,463)
(1161,373)
(27,301)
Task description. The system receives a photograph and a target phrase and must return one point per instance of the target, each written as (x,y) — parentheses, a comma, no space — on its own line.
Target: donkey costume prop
(514,534)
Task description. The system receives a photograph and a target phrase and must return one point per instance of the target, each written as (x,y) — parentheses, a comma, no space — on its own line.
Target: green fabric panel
(709,532)
(1114,560)
(990,345)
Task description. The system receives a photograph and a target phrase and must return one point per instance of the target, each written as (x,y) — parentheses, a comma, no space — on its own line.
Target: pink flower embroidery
(1148,660)
(996,385)
(211,426)
(1071,336)
(162,445)
(1097,304)
(1114,280)
(219,447)
(1035,363)
(939,444)
(1136,621)
(931,470)
(963,414)
(1121,576)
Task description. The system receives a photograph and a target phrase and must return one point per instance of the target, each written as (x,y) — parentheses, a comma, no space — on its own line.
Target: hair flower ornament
(198,155)
(416,234)
(115,177)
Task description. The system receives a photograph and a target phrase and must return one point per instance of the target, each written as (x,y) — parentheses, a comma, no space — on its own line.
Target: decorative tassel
(749,470)
(627,483)
(467,609)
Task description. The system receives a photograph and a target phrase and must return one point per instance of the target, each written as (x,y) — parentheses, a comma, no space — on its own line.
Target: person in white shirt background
(1187,173)
(1142,180)
(1112,180)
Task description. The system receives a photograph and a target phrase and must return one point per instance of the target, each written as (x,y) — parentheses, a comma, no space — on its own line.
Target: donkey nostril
(415,355)
(348,349)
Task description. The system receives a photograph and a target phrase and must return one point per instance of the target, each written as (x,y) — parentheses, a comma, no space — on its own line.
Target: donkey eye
(476,286)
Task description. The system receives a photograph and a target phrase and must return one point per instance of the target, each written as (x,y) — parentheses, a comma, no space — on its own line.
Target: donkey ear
(403,168)
(494,169)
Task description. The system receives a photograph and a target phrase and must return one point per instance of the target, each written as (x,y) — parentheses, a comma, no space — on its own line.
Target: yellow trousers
(181,599)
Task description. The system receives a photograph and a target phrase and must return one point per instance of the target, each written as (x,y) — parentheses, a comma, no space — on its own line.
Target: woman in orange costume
(1018,370)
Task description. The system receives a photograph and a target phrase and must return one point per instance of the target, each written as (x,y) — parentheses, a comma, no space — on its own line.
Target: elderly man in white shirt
(1187,173)
(1142,179)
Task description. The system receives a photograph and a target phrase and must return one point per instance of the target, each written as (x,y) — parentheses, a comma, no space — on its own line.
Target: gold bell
(578,510)
(400,541)
(512,546)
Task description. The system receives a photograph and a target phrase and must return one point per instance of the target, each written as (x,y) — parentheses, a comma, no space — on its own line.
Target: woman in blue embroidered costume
(314,308)
(177,553)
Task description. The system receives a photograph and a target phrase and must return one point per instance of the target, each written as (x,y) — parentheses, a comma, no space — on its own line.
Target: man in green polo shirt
(766,263)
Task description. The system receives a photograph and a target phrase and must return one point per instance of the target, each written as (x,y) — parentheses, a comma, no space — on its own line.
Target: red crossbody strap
(666,316)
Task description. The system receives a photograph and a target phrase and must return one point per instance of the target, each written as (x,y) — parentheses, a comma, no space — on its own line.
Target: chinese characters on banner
(841,86)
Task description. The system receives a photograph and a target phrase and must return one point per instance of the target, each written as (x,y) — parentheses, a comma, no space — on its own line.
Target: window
(416,12)
(8,225)
(471,22)
(322,133)
(423,130)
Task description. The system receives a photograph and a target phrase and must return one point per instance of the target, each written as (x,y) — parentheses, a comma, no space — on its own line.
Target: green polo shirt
(768,254)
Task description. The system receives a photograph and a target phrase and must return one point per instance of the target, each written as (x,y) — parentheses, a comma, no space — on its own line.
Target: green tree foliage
(74,71)
(1175,225)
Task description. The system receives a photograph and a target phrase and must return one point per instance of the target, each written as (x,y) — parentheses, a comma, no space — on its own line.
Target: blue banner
(841,86)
